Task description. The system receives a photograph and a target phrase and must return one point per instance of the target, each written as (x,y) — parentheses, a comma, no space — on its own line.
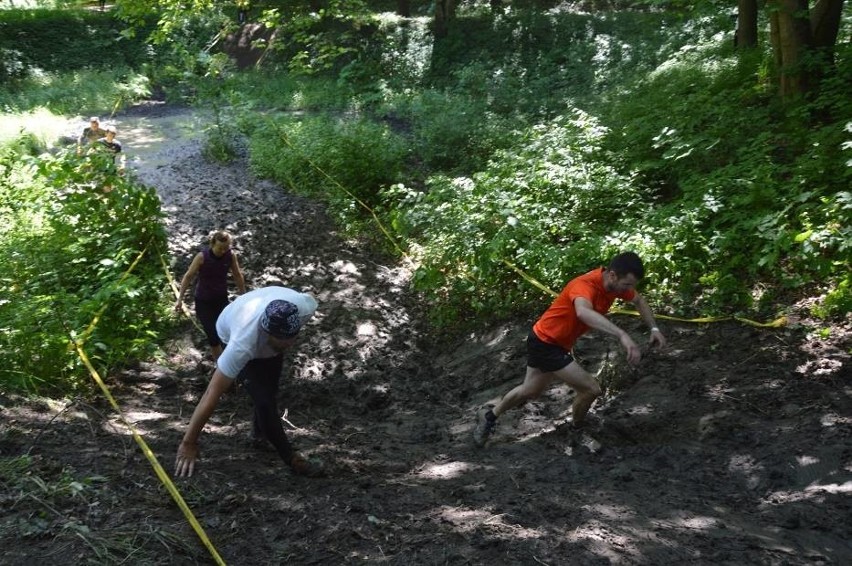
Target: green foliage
(73,230)
(222,137)
(221,143)
(338,159)
(545,138)
(453,132)
(534,62)
(310,41)
(763,188)
(544,204)
(837,302)
(672,144)
(184,25)
(253,90)
(50,41)
(81,92)
(181,35)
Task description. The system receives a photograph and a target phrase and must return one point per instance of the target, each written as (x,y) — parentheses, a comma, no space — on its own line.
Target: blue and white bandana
(281,319)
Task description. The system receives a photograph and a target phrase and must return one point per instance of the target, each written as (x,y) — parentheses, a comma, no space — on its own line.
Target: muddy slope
(734,446)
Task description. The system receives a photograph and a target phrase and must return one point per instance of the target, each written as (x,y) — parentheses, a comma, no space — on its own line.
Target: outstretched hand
(186,458)
(634,354)
(657,339)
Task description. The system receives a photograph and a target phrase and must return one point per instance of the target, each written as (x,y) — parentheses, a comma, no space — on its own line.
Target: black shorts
(208,310)
(544,356)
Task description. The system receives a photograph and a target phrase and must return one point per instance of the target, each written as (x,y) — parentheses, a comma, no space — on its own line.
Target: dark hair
(626,263)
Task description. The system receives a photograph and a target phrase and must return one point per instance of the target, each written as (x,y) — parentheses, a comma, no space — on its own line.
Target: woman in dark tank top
(211,265)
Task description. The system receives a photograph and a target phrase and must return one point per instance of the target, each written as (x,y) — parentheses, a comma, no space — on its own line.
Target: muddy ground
(733,446)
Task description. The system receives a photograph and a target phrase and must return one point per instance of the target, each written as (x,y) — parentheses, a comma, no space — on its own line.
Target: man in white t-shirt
(256,329)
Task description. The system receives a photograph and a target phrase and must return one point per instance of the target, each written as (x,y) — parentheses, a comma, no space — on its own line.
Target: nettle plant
(75,237)
(544,205)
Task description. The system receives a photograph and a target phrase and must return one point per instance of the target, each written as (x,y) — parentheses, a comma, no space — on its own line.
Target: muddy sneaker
(486,422)
(590,423)
(259,443)
(306,467)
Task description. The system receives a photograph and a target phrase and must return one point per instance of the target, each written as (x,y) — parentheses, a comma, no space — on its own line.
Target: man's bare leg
(585,386)
(535,382)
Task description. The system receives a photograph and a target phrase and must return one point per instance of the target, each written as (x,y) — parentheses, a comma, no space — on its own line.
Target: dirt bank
(734,446)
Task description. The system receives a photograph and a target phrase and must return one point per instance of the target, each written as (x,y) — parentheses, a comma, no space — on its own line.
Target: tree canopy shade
(803,36)
(499,140)
(803,33)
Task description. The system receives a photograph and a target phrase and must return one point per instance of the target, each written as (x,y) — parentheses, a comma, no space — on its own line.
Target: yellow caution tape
(176,291)
(158,469)
(77,344)
(777,323)
(334,181)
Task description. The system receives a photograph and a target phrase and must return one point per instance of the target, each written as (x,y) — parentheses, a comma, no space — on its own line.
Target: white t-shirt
(239,326)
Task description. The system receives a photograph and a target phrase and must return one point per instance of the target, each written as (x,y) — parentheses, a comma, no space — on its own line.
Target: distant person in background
(256,329)
(581,305)
(212,265)
(112,146)
(243,7)
(91,133)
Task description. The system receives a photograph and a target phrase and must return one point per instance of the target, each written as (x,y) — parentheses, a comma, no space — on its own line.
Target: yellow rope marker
(777,323)
(176,291)
(344,189)
(125,275)
(77,344)
(158,469)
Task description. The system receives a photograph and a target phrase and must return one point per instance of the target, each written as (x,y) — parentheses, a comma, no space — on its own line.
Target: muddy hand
(634,354)
(657,339)
(185,461)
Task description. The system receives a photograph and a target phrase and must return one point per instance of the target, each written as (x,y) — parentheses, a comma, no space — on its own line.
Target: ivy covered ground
(733,446)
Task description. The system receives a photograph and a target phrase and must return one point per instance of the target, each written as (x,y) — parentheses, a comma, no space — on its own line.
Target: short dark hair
(626,263)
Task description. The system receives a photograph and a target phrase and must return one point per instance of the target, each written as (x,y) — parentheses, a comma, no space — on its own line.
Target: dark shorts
(544,356)
(208,310)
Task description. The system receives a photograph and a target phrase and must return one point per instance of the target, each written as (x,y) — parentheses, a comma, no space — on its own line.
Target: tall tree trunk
(403,8)
(746,34)
(825,23)
(774,39)
(793,41)
(445,10)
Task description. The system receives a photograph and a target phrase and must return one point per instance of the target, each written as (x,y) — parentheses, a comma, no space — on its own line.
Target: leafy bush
(309,41)
(73,230)
(75,92)
(65,40)
(332,158)
(544,205)
(281,91)
(654,134)
(452,132)
(761,187)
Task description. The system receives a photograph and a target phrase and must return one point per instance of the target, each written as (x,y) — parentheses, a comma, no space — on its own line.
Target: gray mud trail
(688,465)
(732,447)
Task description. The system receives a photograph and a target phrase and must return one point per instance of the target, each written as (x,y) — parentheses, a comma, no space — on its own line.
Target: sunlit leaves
(67,261)
(544,204)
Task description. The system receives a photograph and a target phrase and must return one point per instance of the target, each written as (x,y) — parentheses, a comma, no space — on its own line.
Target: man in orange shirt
(581,305)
